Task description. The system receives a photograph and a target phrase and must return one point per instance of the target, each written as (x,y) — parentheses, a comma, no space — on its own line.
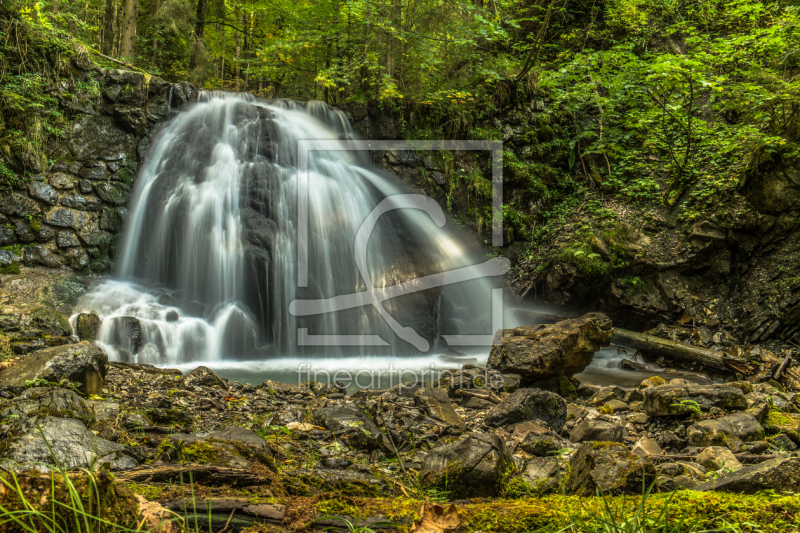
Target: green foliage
(691,405)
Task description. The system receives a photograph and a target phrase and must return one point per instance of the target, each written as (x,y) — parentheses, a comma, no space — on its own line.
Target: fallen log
(742,457)
(784,366)
(488,395)
(266,511)
(207,474)
(683,352)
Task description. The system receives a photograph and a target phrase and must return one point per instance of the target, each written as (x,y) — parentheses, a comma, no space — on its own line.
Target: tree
(130,16)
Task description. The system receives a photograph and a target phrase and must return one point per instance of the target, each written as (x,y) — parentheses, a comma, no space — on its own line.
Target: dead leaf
(156,518)
(299,426)
(434,519)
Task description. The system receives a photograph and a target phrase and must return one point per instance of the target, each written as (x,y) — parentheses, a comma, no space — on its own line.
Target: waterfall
(207,265)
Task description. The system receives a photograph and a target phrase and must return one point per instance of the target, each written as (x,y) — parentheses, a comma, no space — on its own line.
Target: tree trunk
(238,71)
(130,15)
(202,9)
(108,28)
(207,474)
(678,350)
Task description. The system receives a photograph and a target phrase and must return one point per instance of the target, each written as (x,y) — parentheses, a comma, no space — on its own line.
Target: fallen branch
(212,475)
(489,396)
(683,352)
(742,457)
(784,366)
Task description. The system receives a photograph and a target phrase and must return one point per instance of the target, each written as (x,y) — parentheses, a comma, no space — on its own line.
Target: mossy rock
(560,385)
(344,482)
(10,269)
(48,321)
(87,326)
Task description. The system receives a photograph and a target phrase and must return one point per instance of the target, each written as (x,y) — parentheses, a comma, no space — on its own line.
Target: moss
(10,269)
(698,511)
(49,320)
(201,452)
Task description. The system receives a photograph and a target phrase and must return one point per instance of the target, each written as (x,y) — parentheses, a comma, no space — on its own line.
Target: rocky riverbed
(522,430)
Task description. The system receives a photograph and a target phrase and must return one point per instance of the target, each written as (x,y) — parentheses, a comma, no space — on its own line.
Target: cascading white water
(207,264)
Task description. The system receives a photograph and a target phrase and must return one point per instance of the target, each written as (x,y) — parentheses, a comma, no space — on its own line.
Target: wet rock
(597,429)
(24,232)
(87,325)
(529,404)
(81,363)
(781,474)
(436,404)
(76,201)
(731,431)
(68,442)
(7,257)
(7,236)
(96,137)
(66,218)
(112,193)
(680,398)
(67,239)
(44,192)
(717,458)
(39,255)
(18,205)
(543,351)
(352,426)
(204,377)
(609,467)
(475,464)
(127,334)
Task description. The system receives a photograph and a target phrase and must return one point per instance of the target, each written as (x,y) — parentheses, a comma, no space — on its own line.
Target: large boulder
(529,404)
(52,401)
(353,426)
(48,321)
(476,464)
(65,442)
(731,431)
(81,363)
(87,326)
(686,398)
(203,376)
(609,467)
(780,474)
(543,351)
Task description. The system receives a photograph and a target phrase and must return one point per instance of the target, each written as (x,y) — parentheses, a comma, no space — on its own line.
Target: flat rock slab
(776,474)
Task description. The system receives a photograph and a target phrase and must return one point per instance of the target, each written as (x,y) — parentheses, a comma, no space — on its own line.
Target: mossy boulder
(87,326)
(561,385)
(683,398)
(354,427)
(781,474)
(41,401)
(82,364)
(347,483)
(476,464)
(48,321)
(608,467)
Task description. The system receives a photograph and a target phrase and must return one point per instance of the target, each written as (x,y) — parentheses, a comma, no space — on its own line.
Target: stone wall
(69,213)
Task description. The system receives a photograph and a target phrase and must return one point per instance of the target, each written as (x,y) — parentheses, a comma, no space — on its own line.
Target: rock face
(544,351)
(93,166)
(609,467)
(529,404)
(80,363)
(683,398)
(353,426)
(781,474)
(72,445)
(731,431)
(474,465)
